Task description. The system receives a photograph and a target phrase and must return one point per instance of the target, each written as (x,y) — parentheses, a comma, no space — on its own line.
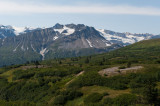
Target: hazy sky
(136,16)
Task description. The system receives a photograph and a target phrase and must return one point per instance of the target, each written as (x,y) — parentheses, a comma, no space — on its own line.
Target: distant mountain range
(18,45)
(7,31)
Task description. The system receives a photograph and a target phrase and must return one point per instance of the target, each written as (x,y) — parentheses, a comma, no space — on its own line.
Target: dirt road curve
(75,77)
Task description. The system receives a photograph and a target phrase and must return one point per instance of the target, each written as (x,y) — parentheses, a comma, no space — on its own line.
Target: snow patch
(6,28)
(20,30)
(138,38)
(33,48)
(56,37)
(69,30)
(90,44)
(22,47)
(43,52)
(127,39)
(108,44)
(16,48)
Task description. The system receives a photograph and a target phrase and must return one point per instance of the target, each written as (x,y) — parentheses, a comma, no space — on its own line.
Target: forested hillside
(78,82)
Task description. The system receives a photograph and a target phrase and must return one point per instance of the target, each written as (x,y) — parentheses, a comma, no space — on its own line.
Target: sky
(134,16)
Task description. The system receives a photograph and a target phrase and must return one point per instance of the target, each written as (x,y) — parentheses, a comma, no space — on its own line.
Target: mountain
(125,38)
(9,31)
(20,45)
(114,37)
(131,78)
(6,31)
(56,42)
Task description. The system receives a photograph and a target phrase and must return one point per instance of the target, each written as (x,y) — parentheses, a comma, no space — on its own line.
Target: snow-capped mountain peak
(123,38)
(6,27)
(19,30)
(62,41)
(22,30)
(69,29)
(8,30)
(65,30)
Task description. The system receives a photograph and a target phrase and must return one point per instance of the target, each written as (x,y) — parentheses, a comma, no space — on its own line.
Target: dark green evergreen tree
(129,64)
(87,60)
(150,93)
(37,63)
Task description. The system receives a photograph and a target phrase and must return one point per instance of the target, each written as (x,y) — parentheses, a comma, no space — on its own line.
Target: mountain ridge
(61,41)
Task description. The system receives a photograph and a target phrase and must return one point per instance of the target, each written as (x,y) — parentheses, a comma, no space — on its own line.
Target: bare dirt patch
(33,66)
(116,71)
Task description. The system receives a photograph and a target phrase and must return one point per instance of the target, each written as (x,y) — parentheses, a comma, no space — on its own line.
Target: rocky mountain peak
(58,26)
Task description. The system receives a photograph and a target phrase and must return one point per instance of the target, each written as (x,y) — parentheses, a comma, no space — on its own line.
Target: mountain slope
(76,81)
(55,42)
(19,45)
(147,51)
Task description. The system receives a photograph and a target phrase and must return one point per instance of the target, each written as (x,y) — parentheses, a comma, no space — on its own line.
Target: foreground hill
(144,51)
(77,82)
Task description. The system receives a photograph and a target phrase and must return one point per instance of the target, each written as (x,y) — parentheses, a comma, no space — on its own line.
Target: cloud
(20,8)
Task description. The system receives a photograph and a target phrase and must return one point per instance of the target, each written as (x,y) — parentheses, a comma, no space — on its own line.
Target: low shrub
(122,67)
(93,98)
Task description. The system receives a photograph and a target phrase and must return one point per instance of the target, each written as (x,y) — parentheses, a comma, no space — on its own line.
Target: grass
(158,85)
(76,102)
(95,89)
(101,89)
(63,82)
(8,75)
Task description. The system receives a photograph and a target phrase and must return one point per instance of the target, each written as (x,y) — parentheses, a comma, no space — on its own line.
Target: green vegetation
(122,100)
(76,81)
(93,98)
